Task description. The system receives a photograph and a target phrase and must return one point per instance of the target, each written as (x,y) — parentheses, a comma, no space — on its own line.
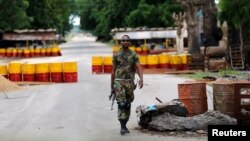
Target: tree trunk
(193,31)
(210,23)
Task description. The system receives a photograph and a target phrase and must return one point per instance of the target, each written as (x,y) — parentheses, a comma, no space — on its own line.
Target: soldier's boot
(124,129)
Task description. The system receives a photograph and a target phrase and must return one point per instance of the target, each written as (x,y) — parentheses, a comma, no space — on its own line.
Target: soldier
(125,65)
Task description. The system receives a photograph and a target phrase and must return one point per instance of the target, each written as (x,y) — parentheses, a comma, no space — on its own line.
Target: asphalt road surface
(79,111)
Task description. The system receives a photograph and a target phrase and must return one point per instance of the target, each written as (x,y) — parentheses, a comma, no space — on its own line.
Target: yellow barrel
(97,64)
(2,51)
(3,70)
(32,52)
(70,67)
(48,51)
(19,52)
(29,68)
(152,61)
(175,62)
(9,52)
(164,60)
(56,70)
(42,72)
(26,53)
(15,67)
(107,64)
(43,52)
(143,61)
(42,68)
(15,71)
(70,71)
(184,64)
(97,60)
(29,71)
(37,51)
(55,51)
(14,52)
(144,49)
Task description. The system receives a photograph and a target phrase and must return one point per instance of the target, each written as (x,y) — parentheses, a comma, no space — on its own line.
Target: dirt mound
(7,86)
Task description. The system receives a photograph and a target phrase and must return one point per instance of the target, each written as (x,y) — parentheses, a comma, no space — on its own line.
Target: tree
(13,14)
(191,8)
(237,14)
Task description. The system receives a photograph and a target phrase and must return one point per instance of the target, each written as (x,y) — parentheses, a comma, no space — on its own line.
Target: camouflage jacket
(125,64)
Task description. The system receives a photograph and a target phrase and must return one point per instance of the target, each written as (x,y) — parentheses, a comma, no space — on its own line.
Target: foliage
(13,15)
(36,14)
(229,72)
(100,16)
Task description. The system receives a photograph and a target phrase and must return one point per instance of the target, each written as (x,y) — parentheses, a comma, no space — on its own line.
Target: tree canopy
(36,14)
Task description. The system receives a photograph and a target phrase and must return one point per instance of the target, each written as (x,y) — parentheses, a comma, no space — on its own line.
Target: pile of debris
(171,116)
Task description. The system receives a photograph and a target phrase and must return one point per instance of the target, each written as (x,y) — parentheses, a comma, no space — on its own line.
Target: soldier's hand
(140,84)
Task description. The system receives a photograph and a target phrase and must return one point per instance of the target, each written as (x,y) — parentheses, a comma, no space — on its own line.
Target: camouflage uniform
(124,81)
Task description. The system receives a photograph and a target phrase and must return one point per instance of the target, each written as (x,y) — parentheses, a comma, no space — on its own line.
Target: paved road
(79,111)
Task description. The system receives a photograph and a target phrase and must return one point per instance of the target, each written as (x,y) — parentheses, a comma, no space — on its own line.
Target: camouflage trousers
(124,90)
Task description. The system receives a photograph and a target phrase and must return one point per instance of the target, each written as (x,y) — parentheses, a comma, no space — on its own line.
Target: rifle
(112,97)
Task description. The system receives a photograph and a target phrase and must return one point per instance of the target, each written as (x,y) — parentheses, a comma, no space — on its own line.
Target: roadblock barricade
(70,71)
(15,71)
(42,72)
(29,72)
(97,64)
(4,71)
(107,64)
(56,72)
(143,61)
(152,61)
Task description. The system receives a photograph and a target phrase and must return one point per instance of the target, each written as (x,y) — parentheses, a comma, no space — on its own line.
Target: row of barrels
(143,50)
(165,60)
(30,52)
(42,72)
(103,64)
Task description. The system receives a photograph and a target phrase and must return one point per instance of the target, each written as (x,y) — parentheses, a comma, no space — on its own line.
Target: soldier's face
(125,41)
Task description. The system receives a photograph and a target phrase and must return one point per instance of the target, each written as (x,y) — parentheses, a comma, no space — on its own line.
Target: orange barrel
(48,51)
(9,52)
(42,72)
(164,60)
(29,72)
(26,53)
(43,52)
(115,49)
(55,51)
(224,97)
(138,50)
(14,52)
(152,61)
(184,64)
(175,62)
(97,64)
(15,71)
(107,64)
(194,97)
(37,52)
(70,71)
(144,49)
(19,52)
(143,61)
(2,52)
(32,52)
(56,72)
(4,71)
